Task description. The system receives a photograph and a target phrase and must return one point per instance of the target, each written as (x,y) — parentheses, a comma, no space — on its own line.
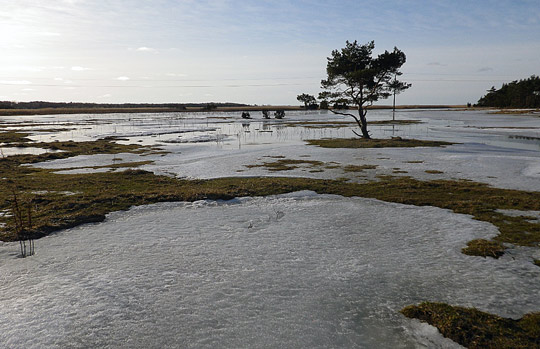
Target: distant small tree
(308,100)
(397,87)
(209,106)
(323,105)
(324,97)
(360,79)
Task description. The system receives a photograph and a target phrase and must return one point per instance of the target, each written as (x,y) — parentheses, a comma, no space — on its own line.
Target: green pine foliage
(517,94)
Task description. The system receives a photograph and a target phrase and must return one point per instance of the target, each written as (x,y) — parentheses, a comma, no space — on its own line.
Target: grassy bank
(394,142)
(475,329)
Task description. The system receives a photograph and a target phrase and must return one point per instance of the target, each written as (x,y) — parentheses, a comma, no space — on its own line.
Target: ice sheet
(293,271)
(300,270)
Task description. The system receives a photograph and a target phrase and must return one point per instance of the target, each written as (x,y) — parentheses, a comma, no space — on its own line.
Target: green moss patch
(358,168)
(14,137)
(395,142)
(476,329)
(484,248)
(286,164)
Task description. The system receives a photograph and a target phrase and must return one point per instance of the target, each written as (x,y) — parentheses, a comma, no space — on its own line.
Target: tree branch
(346,114)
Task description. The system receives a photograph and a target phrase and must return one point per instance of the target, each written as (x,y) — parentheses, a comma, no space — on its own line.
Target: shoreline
(58,111)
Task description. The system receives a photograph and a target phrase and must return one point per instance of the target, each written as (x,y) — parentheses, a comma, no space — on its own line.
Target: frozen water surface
(501,150)
(300,270)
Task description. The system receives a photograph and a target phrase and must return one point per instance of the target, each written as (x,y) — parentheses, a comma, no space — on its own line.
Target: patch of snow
(519,213)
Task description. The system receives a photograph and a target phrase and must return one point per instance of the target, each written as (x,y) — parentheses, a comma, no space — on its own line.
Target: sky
(256,52)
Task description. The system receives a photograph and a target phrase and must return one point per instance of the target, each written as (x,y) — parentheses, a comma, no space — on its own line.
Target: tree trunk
(363,123)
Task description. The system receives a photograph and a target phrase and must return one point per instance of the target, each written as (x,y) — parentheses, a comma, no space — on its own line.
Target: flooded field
(295,270)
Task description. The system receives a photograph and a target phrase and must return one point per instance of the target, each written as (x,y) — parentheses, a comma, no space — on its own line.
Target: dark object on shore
(279,114)
(265,114)
(245,115)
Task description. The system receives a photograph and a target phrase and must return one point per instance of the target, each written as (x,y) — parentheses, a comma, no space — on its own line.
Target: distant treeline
(517,94)
(72,105)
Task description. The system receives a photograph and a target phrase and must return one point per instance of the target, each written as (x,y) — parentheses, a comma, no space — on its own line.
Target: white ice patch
(10,151)
(200,139)
(291,271)
(82,161)
(156,132)
(519,213)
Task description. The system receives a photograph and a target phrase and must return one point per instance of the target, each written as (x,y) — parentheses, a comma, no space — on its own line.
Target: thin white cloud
(48,34)
(146,49)
(176,75)
(79,68)
(122,78)
(15,82)
(107,95)
(28,89)
(485,69)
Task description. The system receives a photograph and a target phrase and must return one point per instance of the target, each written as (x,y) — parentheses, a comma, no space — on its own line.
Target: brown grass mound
(475,329)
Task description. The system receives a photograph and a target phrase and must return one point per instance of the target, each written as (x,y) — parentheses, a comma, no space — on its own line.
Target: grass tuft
(476,329)
(484,248)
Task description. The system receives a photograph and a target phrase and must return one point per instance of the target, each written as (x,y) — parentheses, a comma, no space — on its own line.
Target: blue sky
(256,52)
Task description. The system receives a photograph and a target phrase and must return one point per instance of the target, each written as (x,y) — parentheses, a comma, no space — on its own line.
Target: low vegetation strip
(394,142)
(475,329)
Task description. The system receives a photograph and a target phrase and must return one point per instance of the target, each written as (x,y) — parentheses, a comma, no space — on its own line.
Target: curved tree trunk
(363,123)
